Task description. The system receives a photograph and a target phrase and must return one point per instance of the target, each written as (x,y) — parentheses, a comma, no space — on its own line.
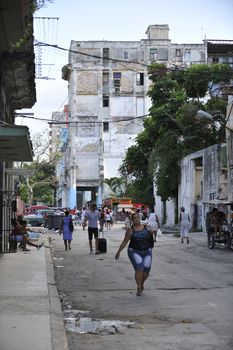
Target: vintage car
(39,217)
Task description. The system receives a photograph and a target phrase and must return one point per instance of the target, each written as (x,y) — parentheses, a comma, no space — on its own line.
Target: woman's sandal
(139,292)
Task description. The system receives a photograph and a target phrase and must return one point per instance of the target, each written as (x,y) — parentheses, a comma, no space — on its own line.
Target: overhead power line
(54,122)
(39,43)
(175,67)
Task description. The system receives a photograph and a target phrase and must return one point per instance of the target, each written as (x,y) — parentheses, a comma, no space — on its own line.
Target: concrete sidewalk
(30,312)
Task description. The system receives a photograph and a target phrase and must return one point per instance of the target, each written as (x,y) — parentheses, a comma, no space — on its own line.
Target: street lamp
(206,115)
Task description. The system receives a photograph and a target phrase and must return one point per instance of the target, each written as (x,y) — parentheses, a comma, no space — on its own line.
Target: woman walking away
(139,250)
(153,223)
(67,230)
(102,220)
(127,220)
(83,215)
(184,225)
(108,219)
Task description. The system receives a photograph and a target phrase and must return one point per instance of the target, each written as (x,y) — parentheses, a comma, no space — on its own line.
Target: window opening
(105,126)
(105,52)
(105,55)
(153,54)
(117,81)
(105,101)
(140,78)
(116,75)
(178,52)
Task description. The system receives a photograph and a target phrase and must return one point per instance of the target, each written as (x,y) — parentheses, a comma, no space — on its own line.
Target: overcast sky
(189,22)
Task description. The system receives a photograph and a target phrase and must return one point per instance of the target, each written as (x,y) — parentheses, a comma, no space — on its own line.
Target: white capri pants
(184,230)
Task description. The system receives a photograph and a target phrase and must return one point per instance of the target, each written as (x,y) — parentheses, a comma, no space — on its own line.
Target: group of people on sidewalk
(139,237)
(91,216)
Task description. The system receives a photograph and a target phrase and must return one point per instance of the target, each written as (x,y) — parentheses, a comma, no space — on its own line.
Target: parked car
(38,218)
(34,208)
(34,219)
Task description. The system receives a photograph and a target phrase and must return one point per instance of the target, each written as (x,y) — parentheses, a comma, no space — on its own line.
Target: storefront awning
(15,143)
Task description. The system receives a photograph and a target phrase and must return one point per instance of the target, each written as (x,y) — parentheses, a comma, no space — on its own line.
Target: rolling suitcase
(102,244)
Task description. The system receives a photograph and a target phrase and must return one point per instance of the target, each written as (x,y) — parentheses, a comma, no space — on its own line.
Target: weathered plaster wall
(189,189)
(87,82)
(90,78)
(229,135)
(123,106)
(212,168)
(190,194)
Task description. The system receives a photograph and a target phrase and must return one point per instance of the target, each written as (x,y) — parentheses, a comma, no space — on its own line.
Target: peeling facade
(203,179)
(229,140)
(108,100)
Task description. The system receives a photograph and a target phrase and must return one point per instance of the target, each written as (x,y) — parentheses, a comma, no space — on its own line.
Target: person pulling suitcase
(93,216)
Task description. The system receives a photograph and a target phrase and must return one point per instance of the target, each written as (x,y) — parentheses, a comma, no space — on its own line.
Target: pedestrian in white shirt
(184,225)
(108,220)
(93,217)
(153,223)
(83,215)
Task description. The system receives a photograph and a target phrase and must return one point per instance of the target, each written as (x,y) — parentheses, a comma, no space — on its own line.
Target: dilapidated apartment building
(203,180)
(108,84)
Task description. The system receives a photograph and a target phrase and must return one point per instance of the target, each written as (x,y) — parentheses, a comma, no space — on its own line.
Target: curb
(58,333)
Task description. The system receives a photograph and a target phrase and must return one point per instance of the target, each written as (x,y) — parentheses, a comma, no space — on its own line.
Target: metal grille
(7,212)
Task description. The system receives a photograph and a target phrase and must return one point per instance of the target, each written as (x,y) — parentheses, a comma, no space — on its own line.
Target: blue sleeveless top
(141,240)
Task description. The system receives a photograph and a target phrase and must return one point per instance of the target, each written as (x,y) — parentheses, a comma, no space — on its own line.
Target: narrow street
(187,302)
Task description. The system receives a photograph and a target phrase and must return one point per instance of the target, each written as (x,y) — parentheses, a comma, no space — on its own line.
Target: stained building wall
(201,185)
(229,136)
(108,85)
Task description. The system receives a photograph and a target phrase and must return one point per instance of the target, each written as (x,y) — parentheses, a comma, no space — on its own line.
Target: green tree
(41,185)
(173,130)
(116,186)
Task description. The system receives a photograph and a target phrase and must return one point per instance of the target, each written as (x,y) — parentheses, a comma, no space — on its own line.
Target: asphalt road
(187,303)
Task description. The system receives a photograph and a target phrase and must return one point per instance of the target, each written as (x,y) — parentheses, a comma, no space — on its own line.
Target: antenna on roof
(45,30)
